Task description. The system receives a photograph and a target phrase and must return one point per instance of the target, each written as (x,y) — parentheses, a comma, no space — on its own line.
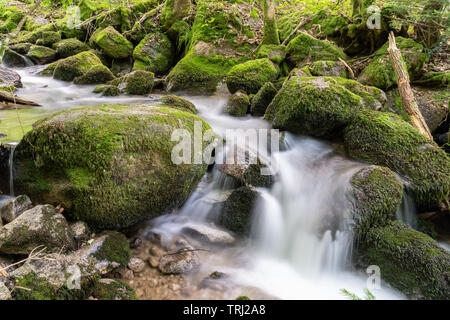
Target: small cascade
(407,212)
(10,167)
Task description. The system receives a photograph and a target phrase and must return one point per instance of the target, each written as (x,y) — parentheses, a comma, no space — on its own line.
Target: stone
(183,261)
(14,208)
(136,265)
(209,234)
(9,77)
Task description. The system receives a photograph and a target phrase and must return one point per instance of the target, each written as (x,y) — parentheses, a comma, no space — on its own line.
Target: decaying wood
(350,71)
(409,101)
(8,101)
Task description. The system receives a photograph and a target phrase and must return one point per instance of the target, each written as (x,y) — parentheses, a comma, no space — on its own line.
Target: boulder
(48,38)
(5,294)
(13,208)
(113,44)
(80,231)
(21,48)
(110,166)
(107,90)
(250,76)
(13,59)
(379,72)
(41,54)
(328,69)
(209,235)
(262,99)
(275,53)
(238,104)
(176,102)
(9,77)
(138,82)
(42,225)
(69,47)
(136,265)
(97,74)
(155,53)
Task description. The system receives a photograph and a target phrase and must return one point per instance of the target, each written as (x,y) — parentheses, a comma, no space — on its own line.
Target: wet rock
(262,99)
(208,234)
(182,261)
(41,54)
(95,75)
(42,225)
(212,282)
(153,261)
(69,47)
(5,294)
(155,53)
(112,43)
(138,82)
(136,265)
(48,38)
(9,78)
(13,59)
(176,102)
(113,289)
(80,231)
(238,104)
(107,90)
(13,208)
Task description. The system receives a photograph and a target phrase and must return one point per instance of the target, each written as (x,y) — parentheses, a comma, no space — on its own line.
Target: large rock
(5,294)
(209,235)
(138,82)
(379,71)
(109,166)
(238,104)
(321,106)
(184,260)
(262,99)
(250,76)
(329,69)
(13,208)
(155,53)
(176,102)
(43,226)
(113,44)
(69,47)
(13,59)
(9,78)
(41,54)
(97,74)
(385,139)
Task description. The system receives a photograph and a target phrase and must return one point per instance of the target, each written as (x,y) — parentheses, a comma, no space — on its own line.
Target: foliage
(352,296)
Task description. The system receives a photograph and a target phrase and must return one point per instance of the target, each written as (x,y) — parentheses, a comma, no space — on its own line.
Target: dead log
(409,101)
(8,101)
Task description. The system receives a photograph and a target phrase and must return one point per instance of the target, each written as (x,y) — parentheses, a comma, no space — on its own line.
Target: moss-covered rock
(409,260)
(75,66)
(434,79)
(21,48)
(379,71)
(138,82)
(250,76)
(175,10)
(238,104)
(107,90)
(262,99)
(328,69)
(95,75)
(320,106)
(69,47)
(12,21)
(41,55)
(13,59)
(385,139)
(33,36)
(155,53)
(109,166)
(113,44)
(304,48)
(376,194)
(48,38)
(176,102)
(275,53)
(41,225)
(113,289)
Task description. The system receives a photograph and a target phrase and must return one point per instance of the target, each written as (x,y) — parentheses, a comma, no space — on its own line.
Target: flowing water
(300,241)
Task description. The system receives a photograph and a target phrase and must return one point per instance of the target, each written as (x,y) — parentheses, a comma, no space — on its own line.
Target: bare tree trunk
(270,24)
(409,101)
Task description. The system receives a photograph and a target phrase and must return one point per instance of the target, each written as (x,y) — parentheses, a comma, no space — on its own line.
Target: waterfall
(407,212)
(10,167)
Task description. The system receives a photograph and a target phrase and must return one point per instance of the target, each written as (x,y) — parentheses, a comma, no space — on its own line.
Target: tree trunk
(270,24)
(174,10)
(428,31)
(409,101)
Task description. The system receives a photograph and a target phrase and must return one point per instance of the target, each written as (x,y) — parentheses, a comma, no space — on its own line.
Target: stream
(300,241)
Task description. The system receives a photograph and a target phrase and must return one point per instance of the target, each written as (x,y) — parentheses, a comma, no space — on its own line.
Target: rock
(377,193)
(121,67)
(121,156)
(385,139)
(41,225)
(95,75)
(304,48)
(41,55)
(155,53)
(176,102)
(9,78)
(208,234)
(262,99)
(113,289)
(434,79)
(238,104)
(5,294)
(328,69)
(153,262)
(237,210)
(80,231)
(75,66)
(113,44)
(409,260)
(49,38)
(379,72)
(136,265)
(21,48)
(13,59)
(69,47)
(275,53)
(183,261)
(138,82)
(14,208)
(250,76)
(107,90)
(321,106)
(72,276)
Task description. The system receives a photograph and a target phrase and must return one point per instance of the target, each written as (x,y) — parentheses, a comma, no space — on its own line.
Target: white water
(300,242)
(11,171)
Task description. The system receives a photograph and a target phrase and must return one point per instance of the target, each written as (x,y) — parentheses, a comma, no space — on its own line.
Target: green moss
(243,298)
(107,90)
(138,82)
(115,248)
(385,139)
(287,23)
(237,209)
(262,99)
(97,74)
(174,10)
(48,38)
(305,48)
(69,47)
(113,44)
(33,36)
(276,53)
(178,103)
(328,69)
(109,289)
(250,76)
(238,104)
(74,66)
(331,25)
(11,22)
(154,53)
(270,31)
(41,55)
(409,260)
(434,79)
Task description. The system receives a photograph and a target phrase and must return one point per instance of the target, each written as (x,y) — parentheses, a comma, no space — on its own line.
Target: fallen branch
(22,21)
(300,24)
(8,101)
(352,74)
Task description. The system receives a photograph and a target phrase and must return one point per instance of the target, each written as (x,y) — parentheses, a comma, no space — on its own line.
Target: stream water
(300,242)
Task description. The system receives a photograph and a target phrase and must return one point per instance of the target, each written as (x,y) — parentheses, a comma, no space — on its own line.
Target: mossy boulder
(41,55)
(69,47)
(176,102)
(48,38)
(12,21)
(173,11)
(328,69)
(376,194)
(386,140)
(75,66)
(262,99)
(275,53)
(379,71)
(95,75)
(434,79)
(109,166)
(409,260)
(155,53)
(250,76)
(113,289)
(107,90)
(13,59)
(41,225)
(113,44)
(33,36)
(21,48)
(138,82)
(304,48)
(238,104)
(320,106)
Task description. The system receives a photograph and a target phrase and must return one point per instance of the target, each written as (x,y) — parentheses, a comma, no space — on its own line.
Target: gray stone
(182,261)
(9,78)
(4,292)
(209,234)
(80,231)
(136,265)
(13,208)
